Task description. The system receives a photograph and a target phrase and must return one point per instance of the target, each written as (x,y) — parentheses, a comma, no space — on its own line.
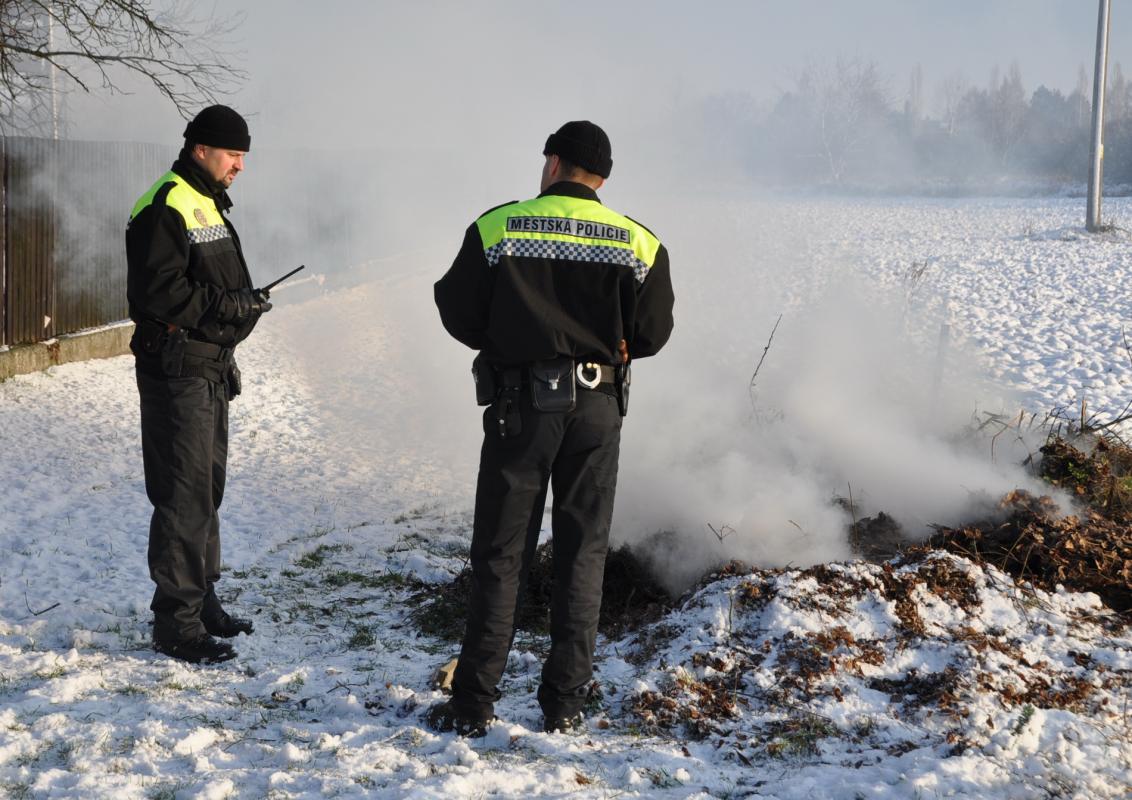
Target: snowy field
(352,465)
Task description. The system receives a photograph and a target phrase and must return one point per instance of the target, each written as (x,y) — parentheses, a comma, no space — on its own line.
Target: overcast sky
(349,73)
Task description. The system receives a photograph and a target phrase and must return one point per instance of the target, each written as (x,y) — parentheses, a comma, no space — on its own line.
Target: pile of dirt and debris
(873,661)
(865,662)
(631,597)
(1086,552)
(1102,478)
(1029,537)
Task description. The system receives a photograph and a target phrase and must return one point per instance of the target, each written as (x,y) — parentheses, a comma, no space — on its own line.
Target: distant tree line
(840,124)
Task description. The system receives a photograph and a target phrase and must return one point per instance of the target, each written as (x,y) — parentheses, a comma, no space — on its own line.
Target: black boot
(574,723)
(227,626)
(201,650)
(219,622)
(446,718)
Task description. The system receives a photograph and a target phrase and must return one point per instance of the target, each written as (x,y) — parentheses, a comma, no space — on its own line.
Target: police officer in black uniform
(191,297)
(557,293)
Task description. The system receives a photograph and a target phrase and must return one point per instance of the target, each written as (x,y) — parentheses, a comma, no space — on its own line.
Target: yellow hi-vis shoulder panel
(567,228)
(203,222)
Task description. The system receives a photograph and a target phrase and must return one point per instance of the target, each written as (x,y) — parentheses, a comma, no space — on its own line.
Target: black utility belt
(199,349)
(156,336)
(552,383)
(182,357)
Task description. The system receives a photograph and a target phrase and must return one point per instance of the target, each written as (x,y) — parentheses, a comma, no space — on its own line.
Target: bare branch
(751,385)
(89,43)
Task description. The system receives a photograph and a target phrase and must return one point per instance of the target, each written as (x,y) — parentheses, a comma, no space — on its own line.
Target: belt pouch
(173,353)
(552,385)
(232,379)
(150,336)
(484,376)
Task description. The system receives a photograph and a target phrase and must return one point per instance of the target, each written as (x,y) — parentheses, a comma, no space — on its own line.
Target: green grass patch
(315,558)
(166,791)
(387,580)
(361,638)
(799,736)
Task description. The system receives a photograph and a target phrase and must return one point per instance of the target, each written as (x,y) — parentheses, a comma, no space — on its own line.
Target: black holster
(622,378)
(149,337)
(484,376)
(173,352)
(232,381)
(504,412)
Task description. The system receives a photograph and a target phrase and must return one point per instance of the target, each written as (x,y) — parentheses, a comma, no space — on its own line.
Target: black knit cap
(584,144)
(219,126)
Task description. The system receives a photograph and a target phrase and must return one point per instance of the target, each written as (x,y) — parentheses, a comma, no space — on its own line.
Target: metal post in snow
(1096,149)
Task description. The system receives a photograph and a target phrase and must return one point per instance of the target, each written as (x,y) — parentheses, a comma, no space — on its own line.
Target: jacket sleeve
(653,323)
(463,295)
(157,258)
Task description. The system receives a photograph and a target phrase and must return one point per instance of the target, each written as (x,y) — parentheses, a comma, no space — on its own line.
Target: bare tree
(47,46)
(951,93)
(1007,112)
(914,102)
(1080,98)
(1118,98)
(847,100)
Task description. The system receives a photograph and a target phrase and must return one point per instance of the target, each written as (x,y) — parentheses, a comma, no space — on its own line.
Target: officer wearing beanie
(557,294)
(191,297)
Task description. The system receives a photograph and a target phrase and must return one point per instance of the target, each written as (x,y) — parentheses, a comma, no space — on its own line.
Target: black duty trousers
(576,452)
(184,423)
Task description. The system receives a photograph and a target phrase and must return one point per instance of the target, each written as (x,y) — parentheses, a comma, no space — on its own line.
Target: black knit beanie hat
(219,126)
(584,144)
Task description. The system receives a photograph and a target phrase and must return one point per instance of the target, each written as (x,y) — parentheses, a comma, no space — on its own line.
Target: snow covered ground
(351,473)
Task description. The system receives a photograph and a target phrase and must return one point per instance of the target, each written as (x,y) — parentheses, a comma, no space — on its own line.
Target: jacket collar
(200,180)
(571,189)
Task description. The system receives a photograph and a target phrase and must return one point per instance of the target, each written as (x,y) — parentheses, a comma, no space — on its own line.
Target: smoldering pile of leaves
(1029,538)
(856,663)
(631,597)
(1088,551)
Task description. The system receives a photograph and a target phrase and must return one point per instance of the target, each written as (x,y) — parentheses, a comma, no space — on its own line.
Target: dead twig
(751,385)
(722,533)
(37,613)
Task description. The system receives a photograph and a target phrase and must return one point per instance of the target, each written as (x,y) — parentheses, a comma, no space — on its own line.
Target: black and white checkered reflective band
(567,251)
(213,233)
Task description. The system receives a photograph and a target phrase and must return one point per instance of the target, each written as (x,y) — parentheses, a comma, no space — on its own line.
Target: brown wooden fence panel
(66,206)
(30,238)
(3,243)
(99,183)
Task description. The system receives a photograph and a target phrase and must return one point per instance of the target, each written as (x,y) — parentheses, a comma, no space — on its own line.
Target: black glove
(243,303)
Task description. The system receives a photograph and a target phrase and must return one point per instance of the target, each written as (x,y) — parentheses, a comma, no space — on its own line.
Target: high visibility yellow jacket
(558,275)
(184,258)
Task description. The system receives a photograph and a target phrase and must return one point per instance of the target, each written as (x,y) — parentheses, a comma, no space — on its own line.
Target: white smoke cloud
(845,403)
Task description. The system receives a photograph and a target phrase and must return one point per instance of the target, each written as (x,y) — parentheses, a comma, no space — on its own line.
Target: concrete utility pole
(1096,150)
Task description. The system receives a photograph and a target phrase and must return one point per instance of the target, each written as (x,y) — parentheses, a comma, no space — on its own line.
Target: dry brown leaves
(697,704)
(1088,552)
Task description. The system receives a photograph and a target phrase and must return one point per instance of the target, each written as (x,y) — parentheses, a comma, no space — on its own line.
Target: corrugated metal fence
(65,204)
